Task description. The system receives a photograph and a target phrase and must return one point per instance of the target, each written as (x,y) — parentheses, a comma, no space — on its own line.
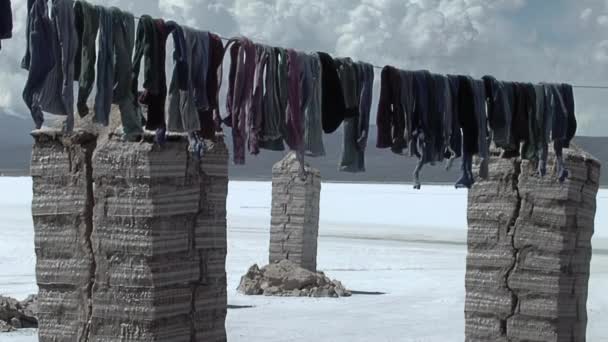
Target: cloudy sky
(521,40)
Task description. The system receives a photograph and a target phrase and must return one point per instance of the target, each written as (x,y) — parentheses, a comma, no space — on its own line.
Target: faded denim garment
(56,96)
(115,71)
(41,54)
(365,103)
(185,93)
(105,66)
(313,126)
(87,26)
(273,115)
(530,147)
(499,112)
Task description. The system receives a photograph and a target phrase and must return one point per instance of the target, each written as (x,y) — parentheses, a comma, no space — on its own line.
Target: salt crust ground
(374,238)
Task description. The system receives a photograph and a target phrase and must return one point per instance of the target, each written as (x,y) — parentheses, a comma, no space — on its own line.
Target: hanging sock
(417,184)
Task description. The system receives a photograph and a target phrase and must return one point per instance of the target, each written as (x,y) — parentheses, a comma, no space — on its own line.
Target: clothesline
(380,68)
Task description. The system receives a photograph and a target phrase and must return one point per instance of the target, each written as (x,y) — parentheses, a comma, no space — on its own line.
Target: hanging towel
(391,134)
(87,26)
(481,118)
(334,107)
(530,146)
(56,93)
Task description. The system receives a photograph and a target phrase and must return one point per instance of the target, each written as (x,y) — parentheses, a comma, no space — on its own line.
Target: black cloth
(466,117)
(332,102)
(456,133)
(390,119)
(87,27)
(499,111)
(568,97)
(6,20)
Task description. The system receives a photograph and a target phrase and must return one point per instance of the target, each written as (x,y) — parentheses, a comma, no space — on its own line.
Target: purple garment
(240,89)
(254,119)
(295,127)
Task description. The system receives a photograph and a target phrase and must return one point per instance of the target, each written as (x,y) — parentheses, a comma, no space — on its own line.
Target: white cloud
(586,14)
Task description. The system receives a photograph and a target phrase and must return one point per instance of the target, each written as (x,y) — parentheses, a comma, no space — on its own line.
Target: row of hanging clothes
(279,97)
(440,118)
(62,49)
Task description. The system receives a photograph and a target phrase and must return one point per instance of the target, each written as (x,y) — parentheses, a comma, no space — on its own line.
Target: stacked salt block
(295,213)
(529,251)
(159,242)
(130,239)
(61,210)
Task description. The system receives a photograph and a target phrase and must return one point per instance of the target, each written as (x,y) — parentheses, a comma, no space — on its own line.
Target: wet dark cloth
(568,98)
(333,105)
(499,112)
(6,20)
(154,97)
(470,135)
(214,80)
(455,143)
(531,144)
(356,127)
(150,45)
(424,117)
(54,92)
(390,119)
(482,127)
(26,60)
(87,27)
(40,58)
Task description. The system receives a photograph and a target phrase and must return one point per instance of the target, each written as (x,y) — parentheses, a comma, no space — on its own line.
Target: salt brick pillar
(529,251)
(294,226)
(145,260)
(61,209)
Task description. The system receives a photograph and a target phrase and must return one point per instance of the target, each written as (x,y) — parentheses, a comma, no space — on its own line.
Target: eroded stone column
(130,239)
(159,243)
(61,209)
(294,225)
(529,251)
